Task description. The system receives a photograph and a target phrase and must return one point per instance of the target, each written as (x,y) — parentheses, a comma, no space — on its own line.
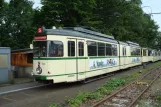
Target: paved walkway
(19,84)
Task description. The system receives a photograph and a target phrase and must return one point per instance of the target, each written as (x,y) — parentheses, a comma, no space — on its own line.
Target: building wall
(21,71)
(5,67)
(21,64)
(21,59)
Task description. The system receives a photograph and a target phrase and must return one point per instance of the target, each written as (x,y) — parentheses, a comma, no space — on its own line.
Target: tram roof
(123,43)
(133,43)
(80,29)
(80,32)
(146,48)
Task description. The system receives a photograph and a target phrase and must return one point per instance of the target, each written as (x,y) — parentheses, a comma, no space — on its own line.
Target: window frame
(124,51)
(144,52)
(81,49)
(48,48)
(114,48)
(70,48)
(109,47)
(96,45)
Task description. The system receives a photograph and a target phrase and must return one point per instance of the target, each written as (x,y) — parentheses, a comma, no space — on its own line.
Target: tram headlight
(39,70)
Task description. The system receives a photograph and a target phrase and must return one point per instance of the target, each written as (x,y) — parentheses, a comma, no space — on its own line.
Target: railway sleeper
(120,100)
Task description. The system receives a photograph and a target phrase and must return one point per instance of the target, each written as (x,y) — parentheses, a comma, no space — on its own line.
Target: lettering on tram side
(135,59)
(101,63)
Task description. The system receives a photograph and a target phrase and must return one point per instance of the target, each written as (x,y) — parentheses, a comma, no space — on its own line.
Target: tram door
(81,60)
(76,49)
(125,60)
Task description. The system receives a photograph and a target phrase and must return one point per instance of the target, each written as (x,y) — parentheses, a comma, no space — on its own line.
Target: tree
(130,25)
(3,17)
(126,21)
(18,29)
(65,12)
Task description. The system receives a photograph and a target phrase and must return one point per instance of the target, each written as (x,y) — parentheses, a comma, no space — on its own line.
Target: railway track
(130,94)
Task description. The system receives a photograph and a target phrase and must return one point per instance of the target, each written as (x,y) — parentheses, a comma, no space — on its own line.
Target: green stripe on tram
(43,77)
(61,58)
(72,58)
(95,57)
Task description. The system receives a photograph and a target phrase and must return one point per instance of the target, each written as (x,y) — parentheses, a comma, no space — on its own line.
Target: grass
(107,88)
(153,102)
(53,105)
(157,98)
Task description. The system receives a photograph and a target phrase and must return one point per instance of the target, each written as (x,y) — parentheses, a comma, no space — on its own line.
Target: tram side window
(108,50)
(124,51)
(101,49)
(71,48)
(114,50)
(92,48)
(81,48)
(135,52)
(149,53)
(155,53)
(144,52)
(138,52)
(55,49)
(132,51)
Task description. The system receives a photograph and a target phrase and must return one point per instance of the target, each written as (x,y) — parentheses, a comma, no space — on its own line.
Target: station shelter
(22,61)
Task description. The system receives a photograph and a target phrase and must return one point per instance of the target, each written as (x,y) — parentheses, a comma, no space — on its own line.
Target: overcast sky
(154,4)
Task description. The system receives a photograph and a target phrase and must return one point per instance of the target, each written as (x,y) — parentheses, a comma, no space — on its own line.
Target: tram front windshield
(40,48)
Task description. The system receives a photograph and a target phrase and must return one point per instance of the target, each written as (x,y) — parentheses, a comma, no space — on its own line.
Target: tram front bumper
(40,77)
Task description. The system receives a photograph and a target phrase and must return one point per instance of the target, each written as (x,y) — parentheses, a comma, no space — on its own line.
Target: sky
(154,7)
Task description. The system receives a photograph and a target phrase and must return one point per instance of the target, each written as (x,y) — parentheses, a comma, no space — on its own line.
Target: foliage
(75,102)
(17,24)
(158,97)
(106,89)
(124,20)
(53,105)
(66,13)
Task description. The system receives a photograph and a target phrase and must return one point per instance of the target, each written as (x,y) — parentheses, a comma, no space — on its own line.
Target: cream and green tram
(124,55)
(146,55)
(73,54)
(155,55)
(135,54)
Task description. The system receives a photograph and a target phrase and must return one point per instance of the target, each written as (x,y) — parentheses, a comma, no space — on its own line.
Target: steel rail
(132,104)
(109,97)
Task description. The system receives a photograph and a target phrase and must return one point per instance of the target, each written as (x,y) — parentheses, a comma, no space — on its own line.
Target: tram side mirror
(31,46)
